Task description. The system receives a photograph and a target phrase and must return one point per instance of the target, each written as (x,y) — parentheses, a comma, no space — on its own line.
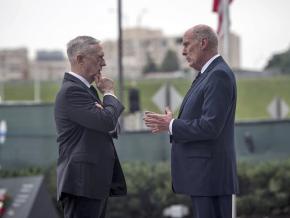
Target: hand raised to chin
(105,85)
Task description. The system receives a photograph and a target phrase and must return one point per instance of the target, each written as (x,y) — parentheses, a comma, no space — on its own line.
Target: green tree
(170,62)
(280,62)
(150,65)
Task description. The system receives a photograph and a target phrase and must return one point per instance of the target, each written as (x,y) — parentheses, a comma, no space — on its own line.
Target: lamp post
(120,55)
(2,79)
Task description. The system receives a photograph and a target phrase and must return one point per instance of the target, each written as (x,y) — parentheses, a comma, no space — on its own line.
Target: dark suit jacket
(203,156)
(88,165)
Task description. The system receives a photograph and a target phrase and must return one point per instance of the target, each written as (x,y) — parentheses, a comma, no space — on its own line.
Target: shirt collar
(80,78)
(208,63)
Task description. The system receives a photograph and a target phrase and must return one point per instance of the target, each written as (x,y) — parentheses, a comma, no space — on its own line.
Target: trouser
(212,206)
(82,207)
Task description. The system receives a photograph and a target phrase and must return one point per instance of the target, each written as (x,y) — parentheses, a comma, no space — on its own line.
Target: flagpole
(120,56)
(2,83)
(2,91)
(36,84)
(226,30)
(226,55)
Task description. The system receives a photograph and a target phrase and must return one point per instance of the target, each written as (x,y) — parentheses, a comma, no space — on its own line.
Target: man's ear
(80,59)
(204,43)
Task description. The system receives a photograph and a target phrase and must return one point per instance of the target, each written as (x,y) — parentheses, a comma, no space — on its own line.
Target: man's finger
(156,116)
(150,120)
(151,124)
(153,115)
(154,121)
(155,130)
(149,112)
(167,110)
(99,106)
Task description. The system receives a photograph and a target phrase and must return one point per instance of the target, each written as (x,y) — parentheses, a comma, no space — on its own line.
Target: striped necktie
(95,92)
(196,78)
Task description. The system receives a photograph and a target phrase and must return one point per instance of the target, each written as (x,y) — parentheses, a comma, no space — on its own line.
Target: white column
(234,207)
(226,29)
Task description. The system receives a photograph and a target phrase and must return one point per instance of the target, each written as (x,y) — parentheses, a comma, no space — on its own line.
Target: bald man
(203,159)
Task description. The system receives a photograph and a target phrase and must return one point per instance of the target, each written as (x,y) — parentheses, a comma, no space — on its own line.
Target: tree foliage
(280,62)
(150,65)
(170,62)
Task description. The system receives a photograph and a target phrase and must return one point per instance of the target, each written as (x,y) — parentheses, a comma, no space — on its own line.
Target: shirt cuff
(170,126)
(108,93)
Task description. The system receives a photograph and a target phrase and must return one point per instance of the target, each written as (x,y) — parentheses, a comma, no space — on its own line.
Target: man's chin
(194,67)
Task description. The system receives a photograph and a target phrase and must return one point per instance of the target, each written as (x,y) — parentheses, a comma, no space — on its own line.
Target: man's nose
(104,63)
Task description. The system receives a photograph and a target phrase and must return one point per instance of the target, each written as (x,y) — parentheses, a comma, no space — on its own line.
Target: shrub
(264,190)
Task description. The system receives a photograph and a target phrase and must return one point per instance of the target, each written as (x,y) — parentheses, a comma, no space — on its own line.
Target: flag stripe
(218,8)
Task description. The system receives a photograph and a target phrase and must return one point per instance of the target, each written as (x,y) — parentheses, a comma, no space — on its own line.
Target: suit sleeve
(218,101)
(82,110)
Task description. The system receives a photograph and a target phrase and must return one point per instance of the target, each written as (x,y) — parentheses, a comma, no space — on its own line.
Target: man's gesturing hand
(158,122)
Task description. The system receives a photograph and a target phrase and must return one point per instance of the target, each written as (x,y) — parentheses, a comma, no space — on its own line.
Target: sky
(263,25)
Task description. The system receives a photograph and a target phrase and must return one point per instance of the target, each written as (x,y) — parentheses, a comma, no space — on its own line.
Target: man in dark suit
(203,159)
(88,169)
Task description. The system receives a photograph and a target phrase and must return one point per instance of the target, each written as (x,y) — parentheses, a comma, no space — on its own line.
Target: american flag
(218,7)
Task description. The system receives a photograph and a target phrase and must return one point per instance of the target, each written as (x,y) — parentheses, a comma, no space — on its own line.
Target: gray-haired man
(88,169)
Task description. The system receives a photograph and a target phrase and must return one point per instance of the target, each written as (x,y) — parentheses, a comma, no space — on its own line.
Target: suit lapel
(68,77)
(199,80)
(190,91)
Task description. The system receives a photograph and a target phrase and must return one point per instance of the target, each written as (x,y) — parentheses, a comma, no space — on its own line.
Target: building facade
(14,64)
(234,50)
(138,44)
(49,65)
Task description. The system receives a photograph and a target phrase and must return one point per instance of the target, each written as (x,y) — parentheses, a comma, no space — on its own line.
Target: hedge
(264,190)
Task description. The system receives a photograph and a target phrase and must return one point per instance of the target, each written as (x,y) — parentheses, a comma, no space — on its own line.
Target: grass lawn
(254,95)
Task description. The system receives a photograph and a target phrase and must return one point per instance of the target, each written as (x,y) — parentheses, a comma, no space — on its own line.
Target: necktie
(196,78)
(188,93)
(198,75)
(95,92)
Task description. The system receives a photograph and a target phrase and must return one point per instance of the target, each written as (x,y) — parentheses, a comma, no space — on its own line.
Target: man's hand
(105,85)
(158,122)
(99,106)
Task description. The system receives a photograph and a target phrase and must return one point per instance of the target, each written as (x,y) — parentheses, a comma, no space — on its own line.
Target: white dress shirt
(80,78)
